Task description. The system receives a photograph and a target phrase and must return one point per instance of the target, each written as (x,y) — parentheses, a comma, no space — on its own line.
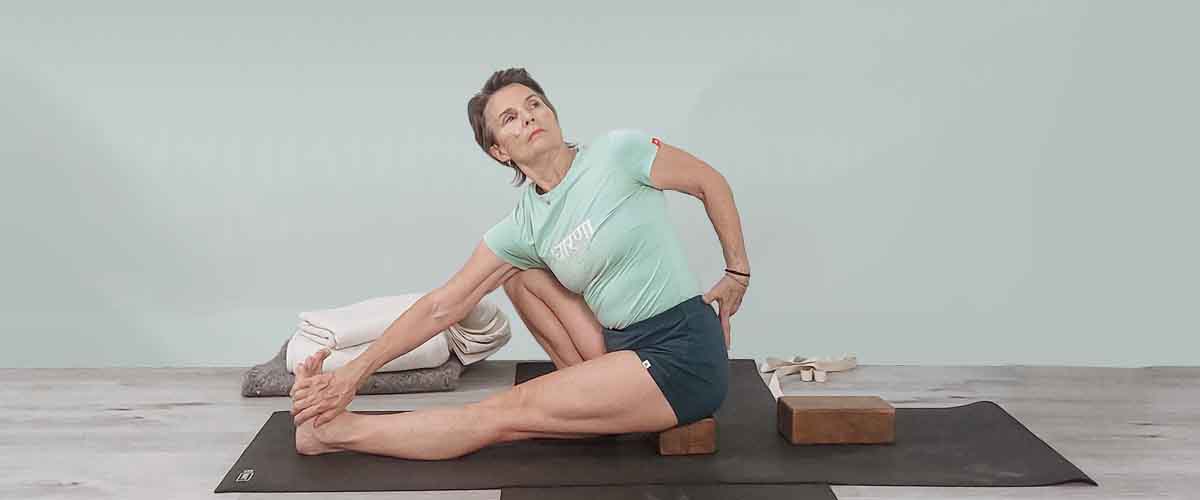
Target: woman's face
(522,124)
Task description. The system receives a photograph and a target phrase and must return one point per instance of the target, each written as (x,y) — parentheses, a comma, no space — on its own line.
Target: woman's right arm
(437,310)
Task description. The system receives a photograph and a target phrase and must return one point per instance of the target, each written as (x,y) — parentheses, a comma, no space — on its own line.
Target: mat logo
(245,476)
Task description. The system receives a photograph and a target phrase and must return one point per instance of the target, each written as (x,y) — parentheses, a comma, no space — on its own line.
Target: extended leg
(607,395)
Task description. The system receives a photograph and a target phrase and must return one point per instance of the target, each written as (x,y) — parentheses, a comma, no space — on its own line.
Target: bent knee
(513,284)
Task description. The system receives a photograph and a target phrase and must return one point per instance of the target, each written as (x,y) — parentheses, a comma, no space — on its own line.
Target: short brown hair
(478,102)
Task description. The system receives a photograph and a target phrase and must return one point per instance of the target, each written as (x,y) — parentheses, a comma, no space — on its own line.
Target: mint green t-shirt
(603,231)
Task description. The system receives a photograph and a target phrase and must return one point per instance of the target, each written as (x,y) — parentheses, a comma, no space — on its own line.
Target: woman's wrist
(739,277)
(360,368)
(744,274)
(740,265)
(739,272)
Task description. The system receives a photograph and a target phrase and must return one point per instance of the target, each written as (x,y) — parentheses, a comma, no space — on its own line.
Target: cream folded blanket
(349,330)
(428,355)
(483,332)
(355,324)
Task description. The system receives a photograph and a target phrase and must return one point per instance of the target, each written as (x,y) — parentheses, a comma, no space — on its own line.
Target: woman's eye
(507,119)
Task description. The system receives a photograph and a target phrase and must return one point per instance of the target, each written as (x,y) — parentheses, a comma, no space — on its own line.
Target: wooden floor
(143,433)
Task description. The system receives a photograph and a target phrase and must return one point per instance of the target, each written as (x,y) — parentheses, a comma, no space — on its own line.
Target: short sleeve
(633,151)
(504,239)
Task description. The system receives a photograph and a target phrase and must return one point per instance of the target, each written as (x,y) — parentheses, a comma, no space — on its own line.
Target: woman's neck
(547,179)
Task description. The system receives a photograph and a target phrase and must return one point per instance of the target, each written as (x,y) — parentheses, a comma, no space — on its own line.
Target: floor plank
(152,433)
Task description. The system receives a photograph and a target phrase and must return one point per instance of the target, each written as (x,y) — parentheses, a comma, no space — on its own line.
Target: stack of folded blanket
(348,331)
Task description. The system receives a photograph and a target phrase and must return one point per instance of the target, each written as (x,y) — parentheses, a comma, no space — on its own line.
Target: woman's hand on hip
(728,293)
(322,395)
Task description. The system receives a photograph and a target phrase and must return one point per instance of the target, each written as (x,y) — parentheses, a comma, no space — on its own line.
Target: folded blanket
(350,330)
(483,332)
(357,323)
(432,353)
(272,378)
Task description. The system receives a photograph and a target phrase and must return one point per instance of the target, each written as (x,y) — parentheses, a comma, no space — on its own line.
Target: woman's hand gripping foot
(308,439)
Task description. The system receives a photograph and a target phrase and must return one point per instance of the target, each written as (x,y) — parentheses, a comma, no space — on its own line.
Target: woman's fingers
(299,389)
(306,414)
(727,293)
(313,363)
(312,392)
(725,327)
(307,401)
(314,397)
(306,393)
(299,405)
(318,404)
(299,385)
(312,406)
(308,384)
(319,382)
(327,415)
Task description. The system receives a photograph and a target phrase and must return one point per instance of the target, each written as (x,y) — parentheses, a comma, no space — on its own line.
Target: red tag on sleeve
(656,141)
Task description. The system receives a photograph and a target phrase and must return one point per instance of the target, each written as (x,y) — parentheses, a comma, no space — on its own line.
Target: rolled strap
(809,369)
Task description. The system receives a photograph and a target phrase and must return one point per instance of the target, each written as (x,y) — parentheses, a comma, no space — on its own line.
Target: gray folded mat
(273,379)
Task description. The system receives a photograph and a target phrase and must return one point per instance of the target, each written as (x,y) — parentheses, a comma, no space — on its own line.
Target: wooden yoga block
(697,438)
(836,420)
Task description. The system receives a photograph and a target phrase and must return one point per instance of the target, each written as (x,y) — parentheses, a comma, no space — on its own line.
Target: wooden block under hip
(696,438)
(836,420)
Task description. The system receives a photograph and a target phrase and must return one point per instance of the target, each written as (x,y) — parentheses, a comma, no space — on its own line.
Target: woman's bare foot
(308,442)
(308,439)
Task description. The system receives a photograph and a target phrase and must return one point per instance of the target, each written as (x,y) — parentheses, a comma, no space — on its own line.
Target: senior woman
(594,270)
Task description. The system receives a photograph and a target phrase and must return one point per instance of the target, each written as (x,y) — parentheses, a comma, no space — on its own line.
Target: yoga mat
(676,492)
(978,444)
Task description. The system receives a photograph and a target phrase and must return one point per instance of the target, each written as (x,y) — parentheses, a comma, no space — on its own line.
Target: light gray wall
(919,182)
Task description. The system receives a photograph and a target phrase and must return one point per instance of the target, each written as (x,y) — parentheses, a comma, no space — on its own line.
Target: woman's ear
(499,154)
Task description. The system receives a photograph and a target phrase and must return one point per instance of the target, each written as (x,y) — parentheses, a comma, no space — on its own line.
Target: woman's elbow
(443,307)
(711,184)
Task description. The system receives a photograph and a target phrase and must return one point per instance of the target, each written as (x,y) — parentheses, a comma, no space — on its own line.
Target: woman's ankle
(338,432)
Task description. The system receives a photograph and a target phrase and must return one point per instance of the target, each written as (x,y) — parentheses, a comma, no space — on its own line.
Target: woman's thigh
(610,394)
(572,311)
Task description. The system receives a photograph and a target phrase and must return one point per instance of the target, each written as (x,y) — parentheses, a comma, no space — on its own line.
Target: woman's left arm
(677,170)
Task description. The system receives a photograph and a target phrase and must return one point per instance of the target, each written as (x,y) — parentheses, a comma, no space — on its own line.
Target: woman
(595,271)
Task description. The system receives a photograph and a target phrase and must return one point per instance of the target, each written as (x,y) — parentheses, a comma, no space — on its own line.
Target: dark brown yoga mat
(978,444)
(676,492)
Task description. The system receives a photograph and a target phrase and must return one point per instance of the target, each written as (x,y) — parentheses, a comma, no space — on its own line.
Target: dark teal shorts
(683,348)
